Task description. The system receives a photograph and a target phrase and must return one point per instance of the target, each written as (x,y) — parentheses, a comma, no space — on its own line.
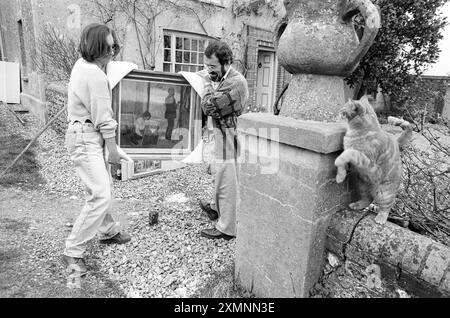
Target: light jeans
(226,180)
(86,148)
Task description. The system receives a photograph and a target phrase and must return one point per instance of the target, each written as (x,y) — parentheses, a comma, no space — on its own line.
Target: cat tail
(406,135)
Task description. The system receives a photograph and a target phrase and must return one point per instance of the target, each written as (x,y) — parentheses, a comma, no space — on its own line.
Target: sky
(442,67)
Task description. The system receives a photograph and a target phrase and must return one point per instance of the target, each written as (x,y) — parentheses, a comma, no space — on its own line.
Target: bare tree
(142,14)
(56,54)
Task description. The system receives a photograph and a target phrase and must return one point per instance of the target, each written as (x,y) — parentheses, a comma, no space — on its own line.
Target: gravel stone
(168,259)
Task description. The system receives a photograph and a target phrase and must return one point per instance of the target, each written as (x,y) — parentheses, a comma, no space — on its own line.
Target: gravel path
(169,259)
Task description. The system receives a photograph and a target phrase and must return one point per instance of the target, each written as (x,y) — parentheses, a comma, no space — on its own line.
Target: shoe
(206,207)
(119,238)
(74,264)
(215,234)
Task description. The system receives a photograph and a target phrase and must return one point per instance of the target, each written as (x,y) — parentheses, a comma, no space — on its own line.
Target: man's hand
(211,109)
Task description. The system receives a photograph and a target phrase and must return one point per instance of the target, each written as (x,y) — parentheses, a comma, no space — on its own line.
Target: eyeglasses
(211,67)
(114,50)
(116,47)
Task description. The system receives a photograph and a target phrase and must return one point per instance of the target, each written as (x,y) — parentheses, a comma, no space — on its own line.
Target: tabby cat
(375,156)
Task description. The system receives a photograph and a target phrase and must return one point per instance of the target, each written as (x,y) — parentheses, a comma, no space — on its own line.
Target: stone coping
(58,87)
(321,137)
(413,261)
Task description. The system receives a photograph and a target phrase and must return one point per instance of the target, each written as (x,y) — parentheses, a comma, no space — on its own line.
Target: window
(157,114)
(183,52)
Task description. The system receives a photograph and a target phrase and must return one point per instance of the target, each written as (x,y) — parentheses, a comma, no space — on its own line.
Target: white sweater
(90,98)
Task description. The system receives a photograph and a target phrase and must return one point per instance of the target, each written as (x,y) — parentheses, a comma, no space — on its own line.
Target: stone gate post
(287,175)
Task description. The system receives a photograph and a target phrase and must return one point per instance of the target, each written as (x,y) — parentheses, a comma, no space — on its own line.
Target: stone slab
(436,265)
(302,179)
(445,284)
(36,106)
(316,136)
(278,253)
(422,262)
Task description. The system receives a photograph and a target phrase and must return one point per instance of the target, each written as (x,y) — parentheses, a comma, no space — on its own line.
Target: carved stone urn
(318,44)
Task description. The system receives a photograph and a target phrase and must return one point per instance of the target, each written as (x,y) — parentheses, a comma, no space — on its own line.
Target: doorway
(265,80)
(2,52)
(22,46)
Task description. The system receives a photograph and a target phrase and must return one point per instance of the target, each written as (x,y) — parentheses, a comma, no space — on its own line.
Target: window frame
(194,115)
(173,50)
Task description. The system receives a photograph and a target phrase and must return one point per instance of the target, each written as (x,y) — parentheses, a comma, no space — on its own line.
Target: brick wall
(256,38)
(261,39)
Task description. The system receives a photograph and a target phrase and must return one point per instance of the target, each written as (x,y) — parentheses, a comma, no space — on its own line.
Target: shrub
(424,200)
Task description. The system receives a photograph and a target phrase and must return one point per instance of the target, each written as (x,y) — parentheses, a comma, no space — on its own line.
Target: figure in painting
(171,112)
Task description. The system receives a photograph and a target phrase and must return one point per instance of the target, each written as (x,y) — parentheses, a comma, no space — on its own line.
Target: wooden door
(265,79)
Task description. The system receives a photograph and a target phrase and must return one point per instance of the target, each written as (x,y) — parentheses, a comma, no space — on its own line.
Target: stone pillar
(314,97)
(287,194)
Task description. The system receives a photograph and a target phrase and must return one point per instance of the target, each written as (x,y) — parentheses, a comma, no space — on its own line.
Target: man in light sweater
(90,135)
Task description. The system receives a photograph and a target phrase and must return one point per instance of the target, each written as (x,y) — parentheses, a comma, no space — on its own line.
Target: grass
(26,171)
(222,284)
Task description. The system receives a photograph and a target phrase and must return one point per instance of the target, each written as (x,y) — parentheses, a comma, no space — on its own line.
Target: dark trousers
(135,138)
(170,125)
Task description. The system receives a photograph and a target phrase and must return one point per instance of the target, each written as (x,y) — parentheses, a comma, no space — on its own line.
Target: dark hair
(147,114)
(93,44)
(221,50)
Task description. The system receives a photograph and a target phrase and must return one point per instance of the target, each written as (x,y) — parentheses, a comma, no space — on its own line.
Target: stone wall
(385,261)
(56,96)
(437,89)
(33,15)
(446,109)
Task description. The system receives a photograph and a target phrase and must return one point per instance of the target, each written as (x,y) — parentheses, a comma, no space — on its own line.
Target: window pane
(167,67)
(194,58)
(187,57)
(177,68)
(167,41)
(185,68)
(179,43)
(187,44)
(200,58)
(193,68)
(167,56)
(194,45)
(179,57)
(201,45)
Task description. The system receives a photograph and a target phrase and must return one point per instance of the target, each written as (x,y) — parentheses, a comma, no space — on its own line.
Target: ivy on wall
(256,7)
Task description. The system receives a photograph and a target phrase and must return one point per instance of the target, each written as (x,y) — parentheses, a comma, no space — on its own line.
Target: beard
(214,76)
(217,76)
